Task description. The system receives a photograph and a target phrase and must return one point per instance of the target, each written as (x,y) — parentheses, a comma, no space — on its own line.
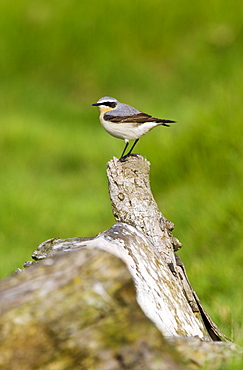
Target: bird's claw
(125,157)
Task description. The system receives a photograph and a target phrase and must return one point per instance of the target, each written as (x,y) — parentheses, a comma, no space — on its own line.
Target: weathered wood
(78,311)
(158,293)
(78,307)
(133,203)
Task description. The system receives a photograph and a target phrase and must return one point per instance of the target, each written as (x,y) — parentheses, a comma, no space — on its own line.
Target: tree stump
(133,203)
(120,300)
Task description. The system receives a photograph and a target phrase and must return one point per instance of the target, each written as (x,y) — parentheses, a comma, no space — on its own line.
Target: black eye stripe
(111,104)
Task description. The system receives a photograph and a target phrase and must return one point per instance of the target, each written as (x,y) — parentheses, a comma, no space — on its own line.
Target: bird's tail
(165,121)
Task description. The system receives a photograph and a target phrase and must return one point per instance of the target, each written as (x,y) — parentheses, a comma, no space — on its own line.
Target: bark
(120,300)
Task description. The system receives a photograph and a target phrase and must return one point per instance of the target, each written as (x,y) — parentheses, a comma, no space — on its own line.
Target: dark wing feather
(136,118)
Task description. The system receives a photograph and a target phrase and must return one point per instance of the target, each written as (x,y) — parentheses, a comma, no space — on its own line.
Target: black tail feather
(164,121)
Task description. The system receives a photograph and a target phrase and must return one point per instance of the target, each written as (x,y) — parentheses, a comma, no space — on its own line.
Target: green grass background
(179,60)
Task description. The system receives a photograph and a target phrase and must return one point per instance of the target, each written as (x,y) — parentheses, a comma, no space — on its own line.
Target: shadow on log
(120,300)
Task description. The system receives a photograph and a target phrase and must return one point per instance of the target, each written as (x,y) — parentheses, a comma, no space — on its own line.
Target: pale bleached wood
(59,291)
(133,203)
(163,290)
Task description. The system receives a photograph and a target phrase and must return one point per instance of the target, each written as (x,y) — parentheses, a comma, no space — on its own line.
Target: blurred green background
(179,60)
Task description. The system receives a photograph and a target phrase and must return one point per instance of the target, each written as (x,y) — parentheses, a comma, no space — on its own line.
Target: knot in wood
(121,196)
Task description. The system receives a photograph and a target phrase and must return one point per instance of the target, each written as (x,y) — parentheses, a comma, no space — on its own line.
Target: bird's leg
(123,157)
(130,151)
(127,142)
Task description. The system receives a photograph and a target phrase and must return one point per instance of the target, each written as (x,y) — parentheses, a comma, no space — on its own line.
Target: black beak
(95,104)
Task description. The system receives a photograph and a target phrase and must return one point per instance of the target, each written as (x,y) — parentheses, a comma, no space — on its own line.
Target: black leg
(123,157)
(130,151)
(124,149)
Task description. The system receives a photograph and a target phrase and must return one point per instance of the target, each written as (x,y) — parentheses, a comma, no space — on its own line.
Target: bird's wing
(136,118)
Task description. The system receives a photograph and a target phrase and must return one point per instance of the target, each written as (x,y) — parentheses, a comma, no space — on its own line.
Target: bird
(125,122)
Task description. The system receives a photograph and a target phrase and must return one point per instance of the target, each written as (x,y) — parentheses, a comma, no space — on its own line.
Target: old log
(120,300)
(133,203)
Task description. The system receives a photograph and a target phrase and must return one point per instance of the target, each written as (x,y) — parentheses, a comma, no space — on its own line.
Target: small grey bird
(125,122)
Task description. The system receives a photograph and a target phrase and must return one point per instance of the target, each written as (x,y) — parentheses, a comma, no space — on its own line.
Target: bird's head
(106,104)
